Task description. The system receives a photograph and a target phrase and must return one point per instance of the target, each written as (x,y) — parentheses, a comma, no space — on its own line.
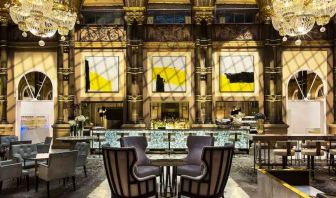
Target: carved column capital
(203,13)
(134,14)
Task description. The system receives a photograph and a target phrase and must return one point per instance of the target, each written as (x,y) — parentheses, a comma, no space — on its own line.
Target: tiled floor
(232,190)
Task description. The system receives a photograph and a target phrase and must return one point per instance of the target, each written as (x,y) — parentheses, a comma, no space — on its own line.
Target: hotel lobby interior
(167,98)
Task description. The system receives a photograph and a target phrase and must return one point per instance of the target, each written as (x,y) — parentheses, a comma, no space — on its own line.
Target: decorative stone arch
(36,84)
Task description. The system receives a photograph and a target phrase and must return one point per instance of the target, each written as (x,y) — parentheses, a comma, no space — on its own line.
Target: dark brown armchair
(120,166)
(217,164)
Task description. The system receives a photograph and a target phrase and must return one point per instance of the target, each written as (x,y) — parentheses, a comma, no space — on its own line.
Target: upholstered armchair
(10,169)
(83,149)
(211,183)
(21,152)
(143,165)
(44,147)
(193,162)
(60,166)
(4,145)
(121,162)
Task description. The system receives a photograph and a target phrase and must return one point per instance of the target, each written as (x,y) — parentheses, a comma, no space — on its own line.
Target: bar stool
(284,149)
(312,149)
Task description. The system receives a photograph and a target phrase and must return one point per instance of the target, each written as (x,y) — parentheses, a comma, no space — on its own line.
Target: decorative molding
(165,33)
(101,34)
(203,70)
(237,44)
(203,13)
(136,98)
(64,98)
(203,98)
(4,20)
(230,32)
(134,14)
(3,71)
(90,45)
(273,98)
(65,71)
(169,45)
(132,70)
(3,98)
(272,70)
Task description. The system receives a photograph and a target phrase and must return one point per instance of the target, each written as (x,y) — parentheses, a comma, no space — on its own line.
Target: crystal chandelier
(295,18)
(43,18)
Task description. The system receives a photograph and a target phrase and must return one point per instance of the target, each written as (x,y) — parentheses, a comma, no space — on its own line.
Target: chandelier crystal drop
(296,18)
(43,18)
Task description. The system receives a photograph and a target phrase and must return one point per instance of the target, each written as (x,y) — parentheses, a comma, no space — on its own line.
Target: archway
(34,107)
(305,103)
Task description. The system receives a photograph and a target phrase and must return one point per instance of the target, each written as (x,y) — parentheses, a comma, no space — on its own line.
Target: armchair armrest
(7,162)
(197,178)
(141,179)
(43,171)
(10,171)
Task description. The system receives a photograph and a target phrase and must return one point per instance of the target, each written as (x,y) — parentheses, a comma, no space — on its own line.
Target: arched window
(305,85)
(35,86)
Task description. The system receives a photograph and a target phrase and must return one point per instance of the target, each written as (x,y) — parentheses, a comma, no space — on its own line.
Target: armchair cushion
(190,170)
(145,171)
(140,144)
(23,151)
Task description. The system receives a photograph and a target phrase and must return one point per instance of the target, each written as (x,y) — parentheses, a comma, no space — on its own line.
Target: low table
(74,139)
(168,162)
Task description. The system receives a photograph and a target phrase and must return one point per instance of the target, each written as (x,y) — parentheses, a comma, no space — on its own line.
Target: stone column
(60,91)
(198,57)
(203,15)
(208,67)
(332,127)
(71,74)
(3,68)
(273,82)
(62,128)
(134,17)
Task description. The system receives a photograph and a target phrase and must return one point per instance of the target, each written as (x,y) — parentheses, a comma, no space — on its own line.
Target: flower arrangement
(77,125)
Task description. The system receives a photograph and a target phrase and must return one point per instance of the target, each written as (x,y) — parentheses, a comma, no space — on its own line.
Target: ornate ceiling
(121,3)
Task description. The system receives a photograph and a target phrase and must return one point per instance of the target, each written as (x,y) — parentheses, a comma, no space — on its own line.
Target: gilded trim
(89,45)
(237,44)
(169,45)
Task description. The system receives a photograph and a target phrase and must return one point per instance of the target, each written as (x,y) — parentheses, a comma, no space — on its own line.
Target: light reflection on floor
(232,190)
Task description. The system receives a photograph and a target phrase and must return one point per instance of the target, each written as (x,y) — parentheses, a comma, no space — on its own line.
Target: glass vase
(260,126)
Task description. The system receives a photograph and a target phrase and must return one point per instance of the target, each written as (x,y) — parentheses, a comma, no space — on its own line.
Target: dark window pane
(179,19)
(249,18)
(239,18)
(229,18)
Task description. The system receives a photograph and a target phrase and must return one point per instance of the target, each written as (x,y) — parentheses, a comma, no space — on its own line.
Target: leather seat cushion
(311,152)
(144,171)
(332,151)
(282,152)
(189,170)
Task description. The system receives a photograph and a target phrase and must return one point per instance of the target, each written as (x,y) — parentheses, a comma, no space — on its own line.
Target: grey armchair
(5,140)
(9,153)
(143,165)
(211,183)
(121,162)
(60,166)
(44,147)
(83,149)
(193,166)
(21,152)
(4,145)
(10,169)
